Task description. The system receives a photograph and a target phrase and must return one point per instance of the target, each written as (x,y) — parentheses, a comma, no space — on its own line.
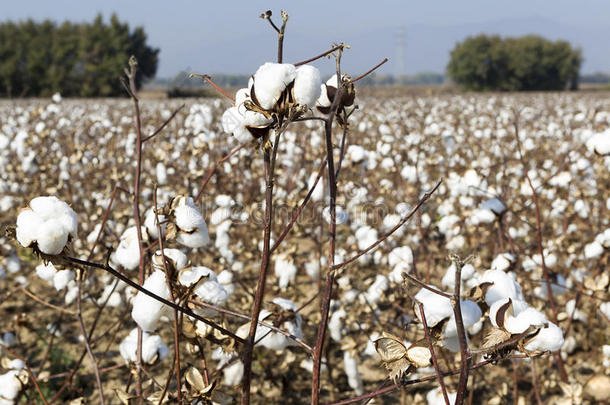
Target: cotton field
(514,193)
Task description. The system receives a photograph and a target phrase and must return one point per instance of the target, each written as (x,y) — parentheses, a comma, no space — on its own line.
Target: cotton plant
(186,224)
(12,382)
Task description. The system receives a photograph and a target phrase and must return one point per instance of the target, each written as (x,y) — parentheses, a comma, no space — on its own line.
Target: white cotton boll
(50,240)
(409,173)
(285,271)
(456,243)
(318,192)
(231,120)
(127,253)
(593,250)
(313,269)
(471,314)
(574,312)
(335,325)
(28,224)
(599,143)
(448,280)
(353,376)
(341,216)
(435,397)
(605,309)
(503,287)
(112,298)
(482,216)
(46,271)
(10,386)
(147,311)
(212,292)
(436,307)
(225,278)
(270,80)
(233,374)
(187,216)
(603,238)
(606,352)
(72,293)
(307,85)
(549,339)
(523,320)
(56,98)
(502,262)
(355,153)
(152,346)
(558,287)
(177,258)
(376,291)
(224,200)
(61,279)
(161,172)
(366,236)
(494,205)
(150,222)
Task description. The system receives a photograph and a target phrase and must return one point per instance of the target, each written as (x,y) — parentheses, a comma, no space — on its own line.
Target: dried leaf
(195,379)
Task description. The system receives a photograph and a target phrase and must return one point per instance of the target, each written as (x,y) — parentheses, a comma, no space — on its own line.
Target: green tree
(531,62)
(40,58)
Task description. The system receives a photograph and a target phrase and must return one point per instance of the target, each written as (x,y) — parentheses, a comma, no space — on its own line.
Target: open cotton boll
(376,290)
(152,347)
(335,325)
(549,339)
(187,216)
(435,397)
(147,311)
(150,223)
(10,386)
(61,279)
(518,318)
(366,236)
(350,364)
(503,287)
(176,257)
(574,312)
(46,271)
(558,287)
(341,216)
(306,85)
(225,278)
(47,221)
(318,192)
(285,271)
(503,261)
(127,253)
(466,274)
(593,250)
(270,80)
(436,307)
(355,153)
(600,143)
(494,205)
(482,216)
(471,313)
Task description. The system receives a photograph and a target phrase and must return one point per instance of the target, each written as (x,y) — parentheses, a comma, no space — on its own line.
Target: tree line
(526,63)
(38,59)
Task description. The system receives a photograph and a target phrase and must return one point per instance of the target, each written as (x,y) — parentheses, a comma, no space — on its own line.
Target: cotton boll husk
(61,279)
(147,311)
(504,287)
(307,85)
(351,370)
(550,338)
(270,80)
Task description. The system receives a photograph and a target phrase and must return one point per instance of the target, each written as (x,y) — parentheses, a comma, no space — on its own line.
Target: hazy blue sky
(227,36)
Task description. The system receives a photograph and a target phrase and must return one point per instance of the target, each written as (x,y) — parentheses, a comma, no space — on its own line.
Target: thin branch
(439,376)
(360,253)
(323,54)
(209,80)
(377,66)
(167,121)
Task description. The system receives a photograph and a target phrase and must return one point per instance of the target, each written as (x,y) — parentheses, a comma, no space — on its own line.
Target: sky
(228,37)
